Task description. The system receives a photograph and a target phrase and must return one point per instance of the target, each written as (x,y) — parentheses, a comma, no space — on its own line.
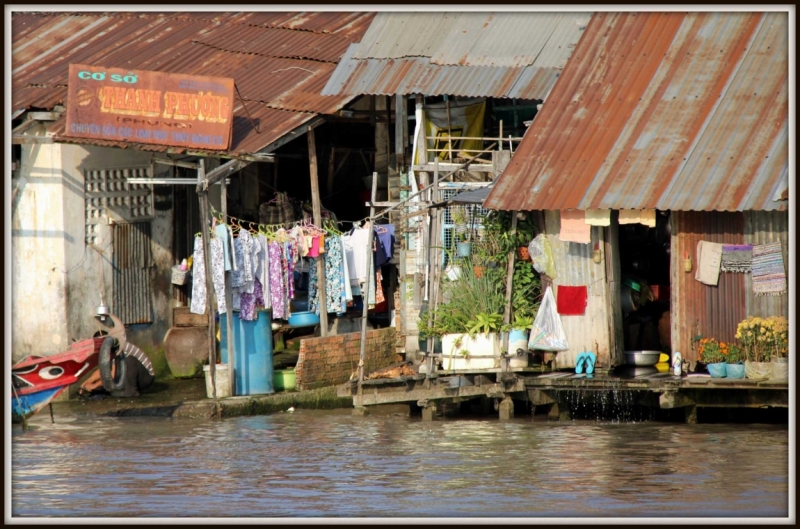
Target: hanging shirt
(276,284)
(356,242)
(223,234)
(263,271)
(218,272)
(384,234)
(237,274)
(199,294)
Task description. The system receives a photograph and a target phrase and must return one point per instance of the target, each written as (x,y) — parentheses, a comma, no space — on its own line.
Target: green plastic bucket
(285,379)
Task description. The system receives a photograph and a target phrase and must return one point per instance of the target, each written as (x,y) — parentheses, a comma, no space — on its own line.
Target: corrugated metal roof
(661,110)
(279,72)
(517,55)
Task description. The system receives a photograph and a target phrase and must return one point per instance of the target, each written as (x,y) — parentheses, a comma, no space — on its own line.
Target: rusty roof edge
(296,57)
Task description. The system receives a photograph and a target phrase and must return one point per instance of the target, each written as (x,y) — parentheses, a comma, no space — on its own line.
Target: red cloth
(571,300)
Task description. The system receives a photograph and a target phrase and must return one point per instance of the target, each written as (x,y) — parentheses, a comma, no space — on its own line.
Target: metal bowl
(642,358)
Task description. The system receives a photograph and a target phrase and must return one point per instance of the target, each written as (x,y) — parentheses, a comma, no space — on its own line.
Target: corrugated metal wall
(762,227)
(713,311)
(133,295)
(574,267)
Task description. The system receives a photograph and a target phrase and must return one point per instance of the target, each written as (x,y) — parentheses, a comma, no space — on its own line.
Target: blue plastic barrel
(253,368)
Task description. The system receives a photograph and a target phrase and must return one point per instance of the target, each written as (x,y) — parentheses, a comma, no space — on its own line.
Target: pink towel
(314,250)
(574,227)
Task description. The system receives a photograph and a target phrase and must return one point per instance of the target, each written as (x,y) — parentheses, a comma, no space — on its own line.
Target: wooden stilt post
(317,209)
(229,301)
(205,215)
(365,292)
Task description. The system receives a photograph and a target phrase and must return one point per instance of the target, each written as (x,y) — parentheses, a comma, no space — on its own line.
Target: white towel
(709,256)
(598,217)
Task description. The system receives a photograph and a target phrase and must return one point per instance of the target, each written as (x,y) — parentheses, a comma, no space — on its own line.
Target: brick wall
(331,360)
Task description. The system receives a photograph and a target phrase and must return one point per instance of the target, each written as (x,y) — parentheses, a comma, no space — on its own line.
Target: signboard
(160,108)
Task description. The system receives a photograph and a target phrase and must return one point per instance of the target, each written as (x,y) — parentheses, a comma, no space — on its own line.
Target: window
(107,192)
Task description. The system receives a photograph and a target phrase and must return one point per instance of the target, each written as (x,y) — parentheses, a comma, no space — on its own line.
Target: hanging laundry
(572,301)
(736,258)
(223,234)
(249,302)
(574,227)
(237,274)
(199,294)
(218,272)
(276,284)
(356,242)
(598,217)
(648,218)
(247,261)
(709,255)
(769,273)
(386,238)
(629,216)
(379,297)
(263,271)
(348,291)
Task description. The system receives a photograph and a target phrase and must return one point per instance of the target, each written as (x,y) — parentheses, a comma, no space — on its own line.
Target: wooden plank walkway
(661,390)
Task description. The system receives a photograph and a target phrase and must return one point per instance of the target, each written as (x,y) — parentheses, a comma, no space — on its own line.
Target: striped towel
(737,258)
(769,274)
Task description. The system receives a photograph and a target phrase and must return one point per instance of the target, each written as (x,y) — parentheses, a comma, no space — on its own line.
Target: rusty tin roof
(280,61)
(661,110)
(517,55)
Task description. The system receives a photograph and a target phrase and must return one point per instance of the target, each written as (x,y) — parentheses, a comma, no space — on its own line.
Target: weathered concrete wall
(331,360)
(58,279)
(38,267)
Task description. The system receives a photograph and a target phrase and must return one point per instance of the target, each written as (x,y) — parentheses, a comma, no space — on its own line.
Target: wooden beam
(365,291)
(223,171)
(44,116)
(31,140)
(177,163)
(428,167)
(205,215)
(229,301)
(317,209)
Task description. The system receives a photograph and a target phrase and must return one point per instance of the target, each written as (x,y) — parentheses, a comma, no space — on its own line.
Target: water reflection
(332,464)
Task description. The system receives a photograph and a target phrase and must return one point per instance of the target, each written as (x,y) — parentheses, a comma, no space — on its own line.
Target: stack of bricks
(329,361)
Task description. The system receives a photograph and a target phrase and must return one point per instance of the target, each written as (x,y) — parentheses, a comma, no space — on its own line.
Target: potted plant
(779,341)
(461,235)
(518,339)
(713,354)
(753,334)
(735,366)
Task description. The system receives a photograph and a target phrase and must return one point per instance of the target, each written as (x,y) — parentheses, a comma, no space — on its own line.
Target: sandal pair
(585,361)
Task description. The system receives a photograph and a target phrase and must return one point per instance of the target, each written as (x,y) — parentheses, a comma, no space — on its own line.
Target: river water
(331,464)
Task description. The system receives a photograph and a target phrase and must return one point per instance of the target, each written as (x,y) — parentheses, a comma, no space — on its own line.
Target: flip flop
(580,360)
(589,359)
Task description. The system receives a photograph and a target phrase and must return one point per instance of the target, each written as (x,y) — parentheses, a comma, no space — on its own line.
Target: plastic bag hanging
(547,332)
(542,256)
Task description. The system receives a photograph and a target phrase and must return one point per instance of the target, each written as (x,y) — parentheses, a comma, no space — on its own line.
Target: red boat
(37,380)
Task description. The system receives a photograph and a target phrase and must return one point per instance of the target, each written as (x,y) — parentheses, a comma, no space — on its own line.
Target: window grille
(474,213)
(107,192)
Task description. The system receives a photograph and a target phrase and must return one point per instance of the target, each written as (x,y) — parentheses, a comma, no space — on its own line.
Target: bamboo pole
(434,263)
(449,130)
(365,292)
(204,216)
(317,209)
(509,286)
(229,301)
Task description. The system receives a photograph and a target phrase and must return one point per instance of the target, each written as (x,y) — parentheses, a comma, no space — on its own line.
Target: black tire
(116,383)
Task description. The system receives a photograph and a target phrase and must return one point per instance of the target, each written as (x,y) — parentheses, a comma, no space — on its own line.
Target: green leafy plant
(735,354)
(522,323)
(485,323)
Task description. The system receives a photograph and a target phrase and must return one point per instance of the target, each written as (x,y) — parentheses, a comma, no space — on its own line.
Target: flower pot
(717,370)
(518,340)
(482,351)
(734,370)
(780,369)
(464,249)
(757,370)
(523,254)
